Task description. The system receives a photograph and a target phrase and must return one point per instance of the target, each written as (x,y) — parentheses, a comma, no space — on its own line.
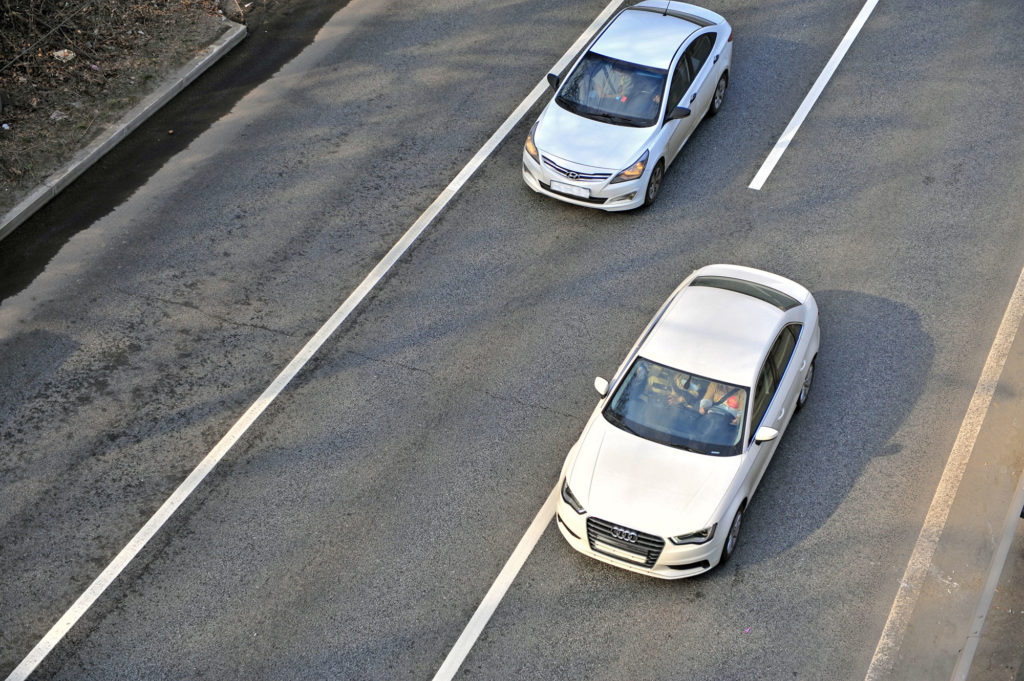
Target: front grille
(647,547)
(575,174)
(592,199)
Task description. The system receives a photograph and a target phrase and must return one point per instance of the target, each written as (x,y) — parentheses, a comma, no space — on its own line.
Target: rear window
(749,288)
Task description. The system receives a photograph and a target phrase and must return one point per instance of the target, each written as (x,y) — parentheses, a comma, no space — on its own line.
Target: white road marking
(963,662)
(805,107)
(924,549)
(450,667)
(153,525)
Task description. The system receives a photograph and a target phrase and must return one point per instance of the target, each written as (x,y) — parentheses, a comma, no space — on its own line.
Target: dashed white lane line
(153,525)
(935,521)
(805,107)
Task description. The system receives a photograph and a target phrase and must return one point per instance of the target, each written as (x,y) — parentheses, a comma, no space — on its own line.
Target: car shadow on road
(874,359)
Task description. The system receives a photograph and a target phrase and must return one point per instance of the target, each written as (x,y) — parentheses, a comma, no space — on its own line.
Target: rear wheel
(719,97)
(805,389)
(654,183)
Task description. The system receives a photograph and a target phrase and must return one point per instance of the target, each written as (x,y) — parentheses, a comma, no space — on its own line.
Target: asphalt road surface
(353,530)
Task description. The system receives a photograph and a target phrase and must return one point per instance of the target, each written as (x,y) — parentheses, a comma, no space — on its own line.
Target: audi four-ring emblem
(624,534)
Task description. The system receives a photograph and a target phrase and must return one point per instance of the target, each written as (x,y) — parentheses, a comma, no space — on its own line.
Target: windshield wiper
(611,118)
(684,448)
(582,110)
(615,119)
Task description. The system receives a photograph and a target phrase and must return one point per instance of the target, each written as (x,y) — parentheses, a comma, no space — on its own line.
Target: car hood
(588,142)
(645,486)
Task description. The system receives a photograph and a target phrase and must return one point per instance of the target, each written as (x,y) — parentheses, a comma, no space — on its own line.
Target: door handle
(803,365)
(693,97)
(781,414)
(716,59)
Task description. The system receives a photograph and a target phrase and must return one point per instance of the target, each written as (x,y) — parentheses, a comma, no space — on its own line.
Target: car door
(701,66)
(774,399)
(762,413)
(788,371)
(689,88)
(680,128)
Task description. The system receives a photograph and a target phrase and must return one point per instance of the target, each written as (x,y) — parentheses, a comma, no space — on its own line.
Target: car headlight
(698,537)
(531,148)
(634,172)
(570,499)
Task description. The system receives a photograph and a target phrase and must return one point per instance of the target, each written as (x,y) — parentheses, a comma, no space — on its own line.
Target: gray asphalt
(354,529)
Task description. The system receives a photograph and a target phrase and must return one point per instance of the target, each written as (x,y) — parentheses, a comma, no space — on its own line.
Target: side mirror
(553,80)
(678,112)
(765,434)
(601,386)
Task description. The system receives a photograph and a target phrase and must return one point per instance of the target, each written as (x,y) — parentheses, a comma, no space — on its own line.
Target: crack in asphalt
(192,306)
(390,362)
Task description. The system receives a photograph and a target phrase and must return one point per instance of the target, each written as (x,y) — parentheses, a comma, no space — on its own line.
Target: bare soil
(70,67)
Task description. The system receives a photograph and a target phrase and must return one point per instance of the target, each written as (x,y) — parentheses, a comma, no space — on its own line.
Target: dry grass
(68,67)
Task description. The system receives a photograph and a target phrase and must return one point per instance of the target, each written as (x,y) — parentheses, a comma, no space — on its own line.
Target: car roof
(716,333)
(643,37)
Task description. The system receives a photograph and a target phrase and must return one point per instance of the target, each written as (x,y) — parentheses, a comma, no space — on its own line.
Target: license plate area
(570,189)
(628,556)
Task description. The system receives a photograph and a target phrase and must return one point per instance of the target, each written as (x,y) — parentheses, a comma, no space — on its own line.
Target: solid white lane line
(142,537)
(924,549)
(805,107)
(963,662)
(450,667)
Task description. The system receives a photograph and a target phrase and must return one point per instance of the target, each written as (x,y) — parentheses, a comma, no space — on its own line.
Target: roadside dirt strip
(118,131)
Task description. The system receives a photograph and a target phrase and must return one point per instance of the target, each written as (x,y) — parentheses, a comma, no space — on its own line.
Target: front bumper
(673,562)
(603,194)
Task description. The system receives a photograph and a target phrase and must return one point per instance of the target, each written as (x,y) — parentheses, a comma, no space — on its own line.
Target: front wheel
(733,537)
(654,183)
(719,96)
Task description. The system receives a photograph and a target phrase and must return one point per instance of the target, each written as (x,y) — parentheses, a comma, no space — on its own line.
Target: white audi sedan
(628,105)
(666,465)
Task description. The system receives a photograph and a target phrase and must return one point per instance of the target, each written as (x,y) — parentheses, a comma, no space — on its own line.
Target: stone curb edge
(116,132)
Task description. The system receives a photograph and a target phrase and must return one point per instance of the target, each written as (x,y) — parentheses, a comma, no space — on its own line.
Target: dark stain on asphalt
(276,34)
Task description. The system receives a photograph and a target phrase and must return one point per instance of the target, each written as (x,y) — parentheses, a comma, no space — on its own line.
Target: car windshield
(614,91)
(678,409)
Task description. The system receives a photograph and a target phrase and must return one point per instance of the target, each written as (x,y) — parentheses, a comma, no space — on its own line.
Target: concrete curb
(116,132)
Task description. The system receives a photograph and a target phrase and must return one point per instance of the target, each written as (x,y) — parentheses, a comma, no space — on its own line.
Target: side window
(699,51)
(680,82)
(783,349)
(763,393)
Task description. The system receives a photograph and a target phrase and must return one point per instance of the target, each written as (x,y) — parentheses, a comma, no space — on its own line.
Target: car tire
(654,183)
(718,97)
(732,538)
(805,389)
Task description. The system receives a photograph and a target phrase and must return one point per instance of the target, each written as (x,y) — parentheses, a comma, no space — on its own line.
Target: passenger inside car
(723,397)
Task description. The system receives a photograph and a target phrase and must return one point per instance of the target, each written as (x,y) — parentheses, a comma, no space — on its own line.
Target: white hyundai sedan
(659,479)
(628,105)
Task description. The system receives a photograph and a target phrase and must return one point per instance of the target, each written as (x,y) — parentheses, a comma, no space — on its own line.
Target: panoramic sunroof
(759,291)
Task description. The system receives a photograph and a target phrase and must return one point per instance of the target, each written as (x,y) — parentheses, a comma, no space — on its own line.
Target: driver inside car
(687,390)
(612,83)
